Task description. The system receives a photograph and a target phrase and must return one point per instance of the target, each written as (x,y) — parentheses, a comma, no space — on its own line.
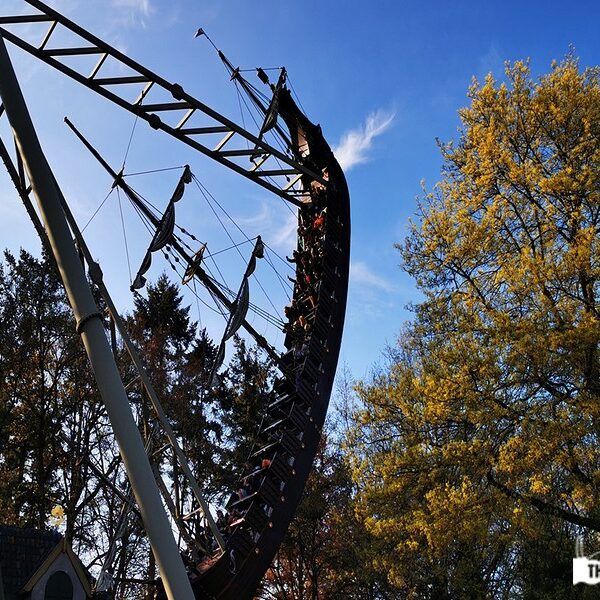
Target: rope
(193,282)
(124,236)
(283,147)
(258,92)
(168,259)
(295,94)
(221,284)
(230,248)
(184,244)
(278,134)
(153,171)
(229,292)
(147,224)
(130,140)
(282,140)
(285,262)
(257,309)
(146,201)
(232,241)
(239,98)
(203,189)
(263,68)
(168,255)
(285,284)
(97,210)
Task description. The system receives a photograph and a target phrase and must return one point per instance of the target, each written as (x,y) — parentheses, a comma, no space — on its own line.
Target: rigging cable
(281,145)
(130,140)
(153,171)
(124,236)
(218,310)
(295,94)
(231,238)
(98,209)
(205,192)
(221,284)
(193,282)
(241,110)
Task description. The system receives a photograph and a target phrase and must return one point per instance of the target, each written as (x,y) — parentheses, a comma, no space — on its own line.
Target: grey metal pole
(89,325)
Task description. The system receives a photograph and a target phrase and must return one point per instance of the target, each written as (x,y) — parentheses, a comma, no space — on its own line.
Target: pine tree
(37,345)
(247,392)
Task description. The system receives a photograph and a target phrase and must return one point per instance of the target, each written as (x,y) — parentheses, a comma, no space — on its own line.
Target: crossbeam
(275,178)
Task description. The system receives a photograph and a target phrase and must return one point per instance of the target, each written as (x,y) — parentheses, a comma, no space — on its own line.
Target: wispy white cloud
(259,218)
(140,6)
(285,233)
(276,224)
(490,62)
(362,274)
(372,296)
(135,11)
(355,144)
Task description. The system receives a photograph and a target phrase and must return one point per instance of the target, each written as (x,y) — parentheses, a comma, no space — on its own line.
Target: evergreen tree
(247,392)
(179,359)
(50,412)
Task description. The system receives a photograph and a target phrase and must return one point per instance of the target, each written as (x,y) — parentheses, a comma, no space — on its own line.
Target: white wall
(62,563)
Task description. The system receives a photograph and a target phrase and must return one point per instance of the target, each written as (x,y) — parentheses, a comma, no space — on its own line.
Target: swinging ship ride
(303,172)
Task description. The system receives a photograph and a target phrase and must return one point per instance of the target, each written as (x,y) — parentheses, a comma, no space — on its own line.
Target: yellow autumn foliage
(487,425)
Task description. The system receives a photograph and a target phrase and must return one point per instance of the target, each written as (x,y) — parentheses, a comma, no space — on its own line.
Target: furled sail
(239,309)
(271,116)
(164,231)
(190,272)
(272,111)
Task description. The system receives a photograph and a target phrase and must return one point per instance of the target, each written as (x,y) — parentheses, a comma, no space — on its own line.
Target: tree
(52,421)
(481,439)
(178,359)
(215,426)
(56,442)
(327,551)
(246,393)
(33,358)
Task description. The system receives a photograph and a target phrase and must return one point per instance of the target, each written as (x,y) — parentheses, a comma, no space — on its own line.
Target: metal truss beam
(233,144)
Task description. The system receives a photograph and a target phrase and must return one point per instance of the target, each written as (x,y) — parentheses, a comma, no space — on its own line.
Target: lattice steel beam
(233,144)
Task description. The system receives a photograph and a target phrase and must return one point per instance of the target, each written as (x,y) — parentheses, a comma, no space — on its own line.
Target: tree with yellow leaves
(477,454)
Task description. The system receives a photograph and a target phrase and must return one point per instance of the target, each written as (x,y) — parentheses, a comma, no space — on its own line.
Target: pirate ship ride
(286,155)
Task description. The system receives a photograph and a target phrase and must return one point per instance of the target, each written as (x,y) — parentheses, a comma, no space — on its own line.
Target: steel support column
(89,325)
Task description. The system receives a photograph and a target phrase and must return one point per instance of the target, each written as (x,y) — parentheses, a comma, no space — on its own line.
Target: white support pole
(89,325)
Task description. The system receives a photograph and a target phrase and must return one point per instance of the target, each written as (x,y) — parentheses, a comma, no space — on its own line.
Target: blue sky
(383,78)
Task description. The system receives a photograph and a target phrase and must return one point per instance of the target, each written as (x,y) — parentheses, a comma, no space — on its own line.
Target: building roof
(62,546)
(22,551)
